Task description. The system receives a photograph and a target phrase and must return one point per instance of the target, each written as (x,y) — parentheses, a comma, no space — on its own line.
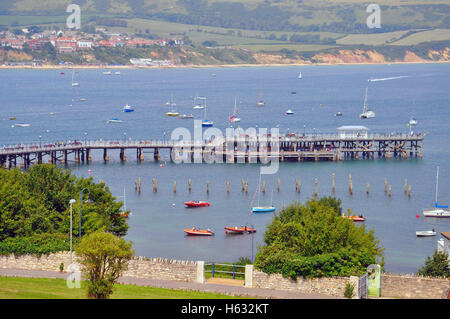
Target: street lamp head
(72,201)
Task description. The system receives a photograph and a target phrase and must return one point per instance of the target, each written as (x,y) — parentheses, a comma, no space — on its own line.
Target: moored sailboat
(438,210)
(367,113)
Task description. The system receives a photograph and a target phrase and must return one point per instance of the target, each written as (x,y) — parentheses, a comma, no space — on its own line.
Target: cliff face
(14,56)
(355,56)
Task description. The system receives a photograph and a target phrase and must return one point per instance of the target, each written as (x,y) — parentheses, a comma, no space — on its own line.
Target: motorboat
(239,229)
(21,125)
(128,108)
(425,233)
(12,118)
(359,218)
(289,112)
(187,116)
(198,232)
(197,204)
(338,114)
(107,73)
(367,113)
(114,120)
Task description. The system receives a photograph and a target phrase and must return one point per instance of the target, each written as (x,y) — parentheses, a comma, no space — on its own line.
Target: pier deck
(315,147)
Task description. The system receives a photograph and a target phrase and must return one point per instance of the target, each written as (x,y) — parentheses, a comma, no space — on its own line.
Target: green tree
(36,203)
(436,266)
(103,258)
(313,240)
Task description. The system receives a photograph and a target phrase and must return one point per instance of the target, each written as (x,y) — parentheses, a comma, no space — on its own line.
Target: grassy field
(46,288)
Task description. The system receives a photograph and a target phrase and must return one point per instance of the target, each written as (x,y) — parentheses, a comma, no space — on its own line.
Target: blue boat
(207,123)
(263,209)
(128,108)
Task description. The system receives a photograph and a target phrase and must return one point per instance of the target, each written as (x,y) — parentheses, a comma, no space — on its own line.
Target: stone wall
(334,286)
(142,267)
(410,287)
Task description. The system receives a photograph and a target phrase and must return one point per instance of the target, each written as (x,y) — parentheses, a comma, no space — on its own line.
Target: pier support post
(105,155)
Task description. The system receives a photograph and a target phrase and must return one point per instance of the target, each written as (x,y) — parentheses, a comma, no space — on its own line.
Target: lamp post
(40,141)
(71,203)
(85,135)
(304,130)
(88,201)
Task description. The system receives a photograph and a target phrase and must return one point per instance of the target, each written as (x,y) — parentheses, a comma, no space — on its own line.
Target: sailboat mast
(259,188)
(365,100)
(437,184)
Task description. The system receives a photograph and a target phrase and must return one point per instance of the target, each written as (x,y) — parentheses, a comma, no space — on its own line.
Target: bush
(313,240)
(349,290)
(436,266)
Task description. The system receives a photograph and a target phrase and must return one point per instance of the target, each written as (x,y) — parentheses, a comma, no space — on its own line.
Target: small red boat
(238,229)
(198,232)
(359,218)
(126,215)
(197,204)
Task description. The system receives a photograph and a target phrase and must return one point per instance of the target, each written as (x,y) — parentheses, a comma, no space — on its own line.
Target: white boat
(300,75)
(234,118)
(367,113)
(82,99)
(206,122)
(187,116)
(73,81)
(338,114)
(114,120)
(107,73)
(117,73)
(21,125)
(437,210)
(260,101)
(413,121)
(127,108)
(425,233)
(289,112)
(198,105)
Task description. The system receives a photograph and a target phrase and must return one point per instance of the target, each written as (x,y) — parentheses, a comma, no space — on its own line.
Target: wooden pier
(298,148)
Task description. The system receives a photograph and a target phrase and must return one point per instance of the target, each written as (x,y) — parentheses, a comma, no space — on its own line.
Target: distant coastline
(198,66)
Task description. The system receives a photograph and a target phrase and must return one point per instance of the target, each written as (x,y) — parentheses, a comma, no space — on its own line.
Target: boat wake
(387,79)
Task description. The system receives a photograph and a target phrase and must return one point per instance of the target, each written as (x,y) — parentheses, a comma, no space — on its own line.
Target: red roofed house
(66,44)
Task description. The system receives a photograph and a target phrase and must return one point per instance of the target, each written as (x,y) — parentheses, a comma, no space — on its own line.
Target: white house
(443,244)
(353,131)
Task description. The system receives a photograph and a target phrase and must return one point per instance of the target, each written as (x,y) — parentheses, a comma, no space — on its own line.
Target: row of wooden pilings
(298,185)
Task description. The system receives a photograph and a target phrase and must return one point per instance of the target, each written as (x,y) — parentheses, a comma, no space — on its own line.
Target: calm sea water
(158,219)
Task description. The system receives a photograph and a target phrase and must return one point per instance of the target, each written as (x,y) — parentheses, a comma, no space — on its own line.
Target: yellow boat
(12,118)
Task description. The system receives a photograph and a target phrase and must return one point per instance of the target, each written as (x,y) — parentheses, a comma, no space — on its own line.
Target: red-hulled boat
(198,232)
(239,229)
(359,218)
(197,204)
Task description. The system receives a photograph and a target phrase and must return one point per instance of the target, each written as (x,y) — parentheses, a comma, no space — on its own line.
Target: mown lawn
(48,288)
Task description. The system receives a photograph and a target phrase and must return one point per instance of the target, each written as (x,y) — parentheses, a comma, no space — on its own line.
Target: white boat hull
(436,213)
(425,233)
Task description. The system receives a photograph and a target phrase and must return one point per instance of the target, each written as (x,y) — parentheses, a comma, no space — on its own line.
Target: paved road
(207,287)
